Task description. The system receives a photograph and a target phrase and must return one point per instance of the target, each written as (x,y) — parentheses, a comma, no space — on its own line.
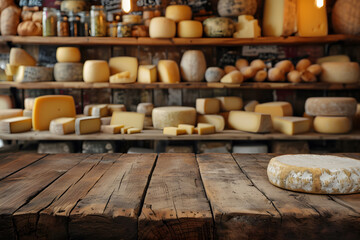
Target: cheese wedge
(86,125)
(230,103)
(173,131)
(250,121)
(292,125)
(128,65)
(112,129)
(61,126)
(188,128)
(275,109)
(205,128)
(15,125)
(147,74)
(128,119)
(133,130)
(207,105)
(217,120)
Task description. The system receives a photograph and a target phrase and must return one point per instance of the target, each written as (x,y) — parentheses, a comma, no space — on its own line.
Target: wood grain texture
(240,210)
(113,205)
(175,205)
(304,216)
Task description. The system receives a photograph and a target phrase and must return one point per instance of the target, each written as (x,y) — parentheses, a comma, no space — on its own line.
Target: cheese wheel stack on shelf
(68,68)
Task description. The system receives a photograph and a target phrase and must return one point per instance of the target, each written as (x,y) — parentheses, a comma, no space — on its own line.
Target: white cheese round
(173,116)
(96,71)
(330,106)
(193,66)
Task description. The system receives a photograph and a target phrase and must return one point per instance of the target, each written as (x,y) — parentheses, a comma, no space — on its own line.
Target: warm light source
(319,3)
(126,6)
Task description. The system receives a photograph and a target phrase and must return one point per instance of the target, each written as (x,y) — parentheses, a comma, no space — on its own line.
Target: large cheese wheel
(68,54)
(173,116)
(68,72)
(340,72)
(320,174)
(332,125)
(189,29)
(96,71)
(161,27)
(330,106)
(178,12)
(218,27)
(346,17)
(234,8)
(193,66)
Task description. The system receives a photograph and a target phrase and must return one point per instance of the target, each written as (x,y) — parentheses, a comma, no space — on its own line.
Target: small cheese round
(193,66)
(190,29)
(332,125)
(173,116)
(330,106)
(96,71)
(145,108)
(214,74)
(320,174)
(340,72)
(178,12)
(161,27)
(68,54)
(68,72)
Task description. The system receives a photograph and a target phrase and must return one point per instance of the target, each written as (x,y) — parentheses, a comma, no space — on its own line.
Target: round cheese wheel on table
(68,54)
(96,71)
(320,174)
(162,27)
(178,12)
(173,116)
(330,106)
(189,29)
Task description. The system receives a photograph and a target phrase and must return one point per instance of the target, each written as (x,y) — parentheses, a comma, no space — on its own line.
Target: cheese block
(133,130)
(214,74)
(123,77)
(205,128)
(178,13)
(10,113)
(96,71)
(161,27)
(250,106)
(132,119)
(5,102)
(332,125)
(233,77)
(47,108)
(29,103)
(313,26)
(207,105)
(187,127)
(68,55)
(88,109)
(116,107)
(218,27)
(174,131)
(247,27)
(147,74)
(193,66)
(86,125)
(292,125)
(124,64)
(230,103)
(234,8)
(105,120)
(250,121)
(275,109)
(15,125)
(11,70)
(27,113)
(99,110)
(330,106)
(19,57)
(279,18)
(319,174)
(334,58)
(68,72)
(145,108)
(217,120)
(125,129)
(168,71)
(189,29)
(340,72)
(112,129)
(34,74)
(173,116)
(61,126)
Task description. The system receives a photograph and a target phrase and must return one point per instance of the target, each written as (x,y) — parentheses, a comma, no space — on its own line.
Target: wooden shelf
(146,41)
(197,85)
(157,135)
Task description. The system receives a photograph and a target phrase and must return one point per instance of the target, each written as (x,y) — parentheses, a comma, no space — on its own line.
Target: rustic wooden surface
(166,196)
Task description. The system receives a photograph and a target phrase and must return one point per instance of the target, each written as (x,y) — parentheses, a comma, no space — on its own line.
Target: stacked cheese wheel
(68,68)
(333,115)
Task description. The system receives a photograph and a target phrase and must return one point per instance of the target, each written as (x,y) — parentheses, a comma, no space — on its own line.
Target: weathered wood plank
(175,205)
(26,218)
(240,210)
(319,216)
(113,205)
(53,220)
(19,188)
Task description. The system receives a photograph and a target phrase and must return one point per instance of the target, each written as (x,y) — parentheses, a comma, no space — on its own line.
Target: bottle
(49,22)
(97,21)
(62,25)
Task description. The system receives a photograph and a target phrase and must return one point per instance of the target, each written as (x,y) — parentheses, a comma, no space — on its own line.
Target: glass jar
(112,29)
(62,25)
(123,30)
(97,21)
(74,22)
(84,23)
(49,22)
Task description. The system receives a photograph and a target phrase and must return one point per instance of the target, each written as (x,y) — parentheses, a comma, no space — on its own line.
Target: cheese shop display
(34,74)
(161,27)
(247,27)
(47,108)
(340,72)
(173,116)
(193,66)
(147,74)
(218,27)
(10,113)
(214,74)
(174,131)
(62,126)
(330,106)
(96,71)
(68,55)
(332,125)
(87,125)
(275,109)
(189,29)
(178,13)
(319,174)
(68,72)
(130,119)
(217,120)
(126,66)
(168,71)
(250,121)
(292,125)
(345,17)
(234,8)
(207,105)
(15,125)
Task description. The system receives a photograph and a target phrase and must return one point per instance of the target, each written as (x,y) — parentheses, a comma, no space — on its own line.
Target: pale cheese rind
(15,125)
(173,116)
(319,174)
(217,120)
(86,125)
(61,126)
(330,106)
(250,121)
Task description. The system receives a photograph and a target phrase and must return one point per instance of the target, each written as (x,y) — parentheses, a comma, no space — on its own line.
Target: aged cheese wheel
(161,27)
(234,8)
(330,106)
(34,74)
(214,74)
(178,12)
(319,174)
(332,125)
(96,71)
(219,27)
(68,54)
(193,66)
(173,116)
(346,17)
(190,29)
(68,72)
(340,72)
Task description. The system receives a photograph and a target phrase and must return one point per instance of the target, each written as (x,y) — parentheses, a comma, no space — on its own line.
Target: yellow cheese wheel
(340,72)
(189,29)
(96,71)
(332,125)
(68,54)
(178,12)
(161,27)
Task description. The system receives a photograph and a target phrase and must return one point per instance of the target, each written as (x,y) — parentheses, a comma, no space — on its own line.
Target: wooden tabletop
(165,196)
